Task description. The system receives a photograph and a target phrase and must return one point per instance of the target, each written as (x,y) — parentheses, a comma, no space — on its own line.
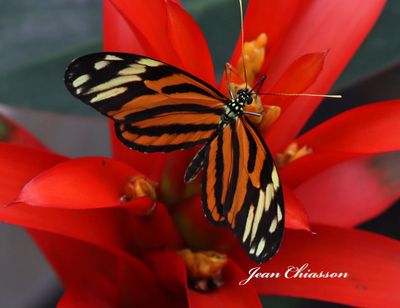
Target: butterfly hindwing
(155,106)
(242,189)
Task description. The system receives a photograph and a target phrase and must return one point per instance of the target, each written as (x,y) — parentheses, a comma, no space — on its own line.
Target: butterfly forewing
(155,106)
(242,189)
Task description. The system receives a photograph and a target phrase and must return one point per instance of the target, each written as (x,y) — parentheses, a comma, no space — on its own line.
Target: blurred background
(37,41)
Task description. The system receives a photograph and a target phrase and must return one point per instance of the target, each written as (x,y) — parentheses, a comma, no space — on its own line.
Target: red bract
(113,253)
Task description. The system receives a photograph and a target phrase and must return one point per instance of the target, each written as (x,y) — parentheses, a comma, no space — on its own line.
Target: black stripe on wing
(259,220)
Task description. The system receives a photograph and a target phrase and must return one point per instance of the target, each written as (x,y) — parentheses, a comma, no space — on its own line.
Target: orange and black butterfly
(157,107)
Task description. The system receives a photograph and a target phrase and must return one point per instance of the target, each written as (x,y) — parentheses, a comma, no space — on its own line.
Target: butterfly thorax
(234,108)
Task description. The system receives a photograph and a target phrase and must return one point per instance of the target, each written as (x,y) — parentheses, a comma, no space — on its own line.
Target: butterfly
(157,107)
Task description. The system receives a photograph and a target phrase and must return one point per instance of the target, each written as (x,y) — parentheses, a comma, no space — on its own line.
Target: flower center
(137,187)
(291,153)
(204,269)
(252,58)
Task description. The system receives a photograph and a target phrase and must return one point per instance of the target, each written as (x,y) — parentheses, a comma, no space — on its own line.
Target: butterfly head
(243,96)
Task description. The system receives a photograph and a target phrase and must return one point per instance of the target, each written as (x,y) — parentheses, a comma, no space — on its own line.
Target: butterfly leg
(228,70)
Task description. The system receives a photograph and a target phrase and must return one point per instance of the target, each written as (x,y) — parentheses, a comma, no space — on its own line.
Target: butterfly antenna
(258,85)
(303,94)
(242,35)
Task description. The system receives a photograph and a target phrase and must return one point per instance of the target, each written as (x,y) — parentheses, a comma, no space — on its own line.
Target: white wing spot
(269,195)
(101,64)
(249,221)
(132,69)
(275,178)
(273,225)
(252,250)
(107,94)
(258,215)
(279,215)
(80,80)
(261,199)
(112,58)
(260,247)
(149,62)
(113,83)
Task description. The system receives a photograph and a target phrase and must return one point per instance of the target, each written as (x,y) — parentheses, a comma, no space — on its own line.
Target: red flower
(113,253)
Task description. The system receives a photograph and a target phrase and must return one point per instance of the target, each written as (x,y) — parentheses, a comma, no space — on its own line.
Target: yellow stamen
(271,114)
(138,187)
(204,268)
(253,56)
(291,153)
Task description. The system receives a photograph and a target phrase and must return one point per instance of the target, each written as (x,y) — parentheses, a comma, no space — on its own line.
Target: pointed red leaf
(19,165)
(352,134)
(371,128)
(80,183)
(370,260)
(337,26)
(295,215)
(297,78)
(271,17)
(189,43)
(178,43)
(134,26)
(96,276)
(307,166)
(119,227)
(352,192)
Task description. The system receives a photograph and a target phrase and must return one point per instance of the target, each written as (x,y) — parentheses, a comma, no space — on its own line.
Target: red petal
(295,215)
(339,26)
(371,128)
(118,227)
(80,183)
(189,43)
(350,133)
(370,260)
(95,276)
(118,34)
(18,165)
(231,294)
(298,77)
(352,192)
(15,133)
(134,26)
(271,17)
(178,44)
